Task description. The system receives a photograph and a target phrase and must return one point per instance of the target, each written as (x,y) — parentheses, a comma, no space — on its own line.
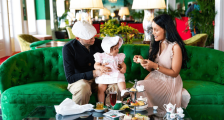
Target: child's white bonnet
(108,42)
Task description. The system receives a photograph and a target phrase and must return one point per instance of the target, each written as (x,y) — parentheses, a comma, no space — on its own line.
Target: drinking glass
(113,99)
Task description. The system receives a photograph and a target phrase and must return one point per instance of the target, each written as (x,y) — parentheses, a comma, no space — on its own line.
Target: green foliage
(137,15)
(204,18)
(111,28)
(63,17)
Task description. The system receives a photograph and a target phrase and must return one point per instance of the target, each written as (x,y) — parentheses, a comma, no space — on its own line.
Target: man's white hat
(83,30)
(108,42)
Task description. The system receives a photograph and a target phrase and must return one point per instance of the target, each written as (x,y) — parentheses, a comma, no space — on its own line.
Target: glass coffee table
(48,113)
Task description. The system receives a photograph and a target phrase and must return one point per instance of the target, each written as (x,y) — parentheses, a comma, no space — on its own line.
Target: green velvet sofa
(36,77)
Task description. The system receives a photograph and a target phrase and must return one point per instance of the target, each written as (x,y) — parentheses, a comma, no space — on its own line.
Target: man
(79,62)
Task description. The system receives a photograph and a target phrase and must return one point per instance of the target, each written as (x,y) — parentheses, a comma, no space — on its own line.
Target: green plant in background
(109,28)
(137,15)
(112,28)
(204,19)
(63,17)
(127,33)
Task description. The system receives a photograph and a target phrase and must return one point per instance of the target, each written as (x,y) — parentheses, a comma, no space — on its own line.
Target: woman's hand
(148,64)
(136,58)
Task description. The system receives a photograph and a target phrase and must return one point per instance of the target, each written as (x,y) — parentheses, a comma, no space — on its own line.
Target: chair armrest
(197,40)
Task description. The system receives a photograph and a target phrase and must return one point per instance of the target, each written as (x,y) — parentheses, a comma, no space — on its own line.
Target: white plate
(116,110)
(97,110)
(139,109)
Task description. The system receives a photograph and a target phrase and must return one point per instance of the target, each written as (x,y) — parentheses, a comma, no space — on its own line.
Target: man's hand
(97,73)
(105,69)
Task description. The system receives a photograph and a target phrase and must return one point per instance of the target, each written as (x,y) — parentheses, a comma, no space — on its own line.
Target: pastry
(134,118)
(141,103)
(134,103)
(132,89)
(141,117)
(139,60)
(127,117)
(124,107)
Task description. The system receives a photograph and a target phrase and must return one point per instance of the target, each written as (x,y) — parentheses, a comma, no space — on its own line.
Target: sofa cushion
(204,92)
(48,92)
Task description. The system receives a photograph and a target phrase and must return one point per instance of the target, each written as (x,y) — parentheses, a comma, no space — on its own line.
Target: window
(10,18)
(31,16)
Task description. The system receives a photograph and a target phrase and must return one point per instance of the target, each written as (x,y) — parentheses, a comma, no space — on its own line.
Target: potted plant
(127,33)
(111,28)
(204,19)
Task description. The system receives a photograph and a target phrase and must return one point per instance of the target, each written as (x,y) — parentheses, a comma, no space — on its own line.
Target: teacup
(181,115)
(172,115)
(155,107)
(118,105)
(180,110)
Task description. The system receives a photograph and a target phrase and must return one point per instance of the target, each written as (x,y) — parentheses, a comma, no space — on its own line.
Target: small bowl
(181,115)
(155,107)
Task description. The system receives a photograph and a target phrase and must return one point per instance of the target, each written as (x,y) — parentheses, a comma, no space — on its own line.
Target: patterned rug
(6,57)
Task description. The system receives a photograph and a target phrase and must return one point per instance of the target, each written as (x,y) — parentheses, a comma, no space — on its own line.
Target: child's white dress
(114,76)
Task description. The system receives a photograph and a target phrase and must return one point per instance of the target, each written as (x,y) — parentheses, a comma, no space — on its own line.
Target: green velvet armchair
(197,40)
(70,34)
(25,40)
(24,85)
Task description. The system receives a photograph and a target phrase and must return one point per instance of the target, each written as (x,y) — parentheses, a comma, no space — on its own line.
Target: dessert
(134,103)
(132,89)
(127,117)
(139,60)
(134,118)
(141,103)
(141,117)
(124,107)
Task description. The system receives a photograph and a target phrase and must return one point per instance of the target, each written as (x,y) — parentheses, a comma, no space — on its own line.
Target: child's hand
(119,67)
(105,69)
(122,70)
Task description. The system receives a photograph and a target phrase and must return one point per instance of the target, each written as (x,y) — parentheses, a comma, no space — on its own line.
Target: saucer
(100,110)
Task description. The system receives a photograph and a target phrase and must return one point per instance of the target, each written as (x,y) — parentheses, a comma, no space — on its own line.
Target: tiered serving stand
(134,100)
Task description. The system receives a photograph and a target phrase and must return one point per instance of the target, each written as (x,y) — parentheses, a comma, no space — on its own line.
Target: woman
(167,55)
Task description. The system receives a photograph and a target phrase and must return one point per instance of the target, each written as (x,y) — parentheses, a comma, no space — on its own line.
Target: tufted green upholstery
(25,40)
(70,34)
(25,85)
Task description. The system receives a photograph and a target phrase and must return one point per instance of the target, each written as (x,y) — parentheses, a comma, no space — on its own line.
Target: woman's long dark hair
(166,22)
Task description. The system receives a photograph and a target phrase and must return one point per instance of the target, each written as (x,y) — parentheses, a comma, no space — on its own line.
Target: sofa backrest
(46,64)
(204,64)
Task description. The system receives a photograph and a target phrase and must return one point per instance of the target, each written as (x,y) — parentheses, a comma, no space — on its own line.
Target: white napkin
(113,112)
(140,88)
(69,107)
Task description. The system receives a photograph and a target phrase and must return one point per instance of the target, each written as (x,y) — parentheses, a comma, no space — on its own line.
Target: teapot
(180,110)
(169,107)
(142,99)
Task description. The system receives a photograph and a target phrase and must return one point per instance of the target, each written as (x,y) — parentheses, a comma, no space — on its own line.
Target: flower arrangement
(111,28)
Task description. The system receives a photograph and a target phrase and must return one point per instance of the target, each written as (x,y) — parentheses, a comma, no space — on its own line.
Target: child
(112,59)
